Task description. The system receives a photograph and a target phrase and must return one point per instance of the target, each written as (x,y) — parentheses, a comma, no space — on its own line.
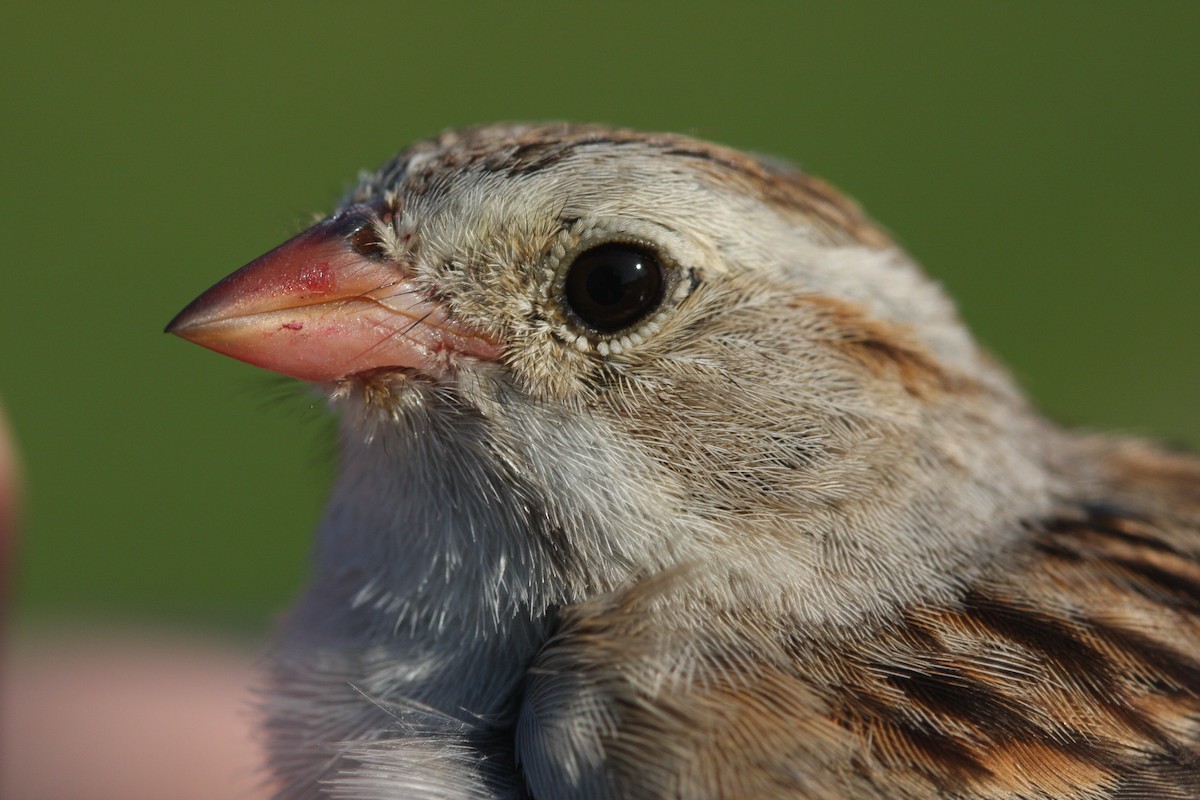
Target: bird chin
(380,380)
(385,393)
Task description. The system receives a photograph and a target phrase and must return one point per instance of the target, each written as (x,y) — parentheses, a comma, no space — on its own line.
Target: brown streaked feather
(887,350)
(526,150)
(1072,672)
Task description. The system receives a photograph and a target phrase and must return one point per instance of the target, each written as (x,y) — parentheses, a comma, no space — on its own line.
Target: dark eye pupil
(613,286)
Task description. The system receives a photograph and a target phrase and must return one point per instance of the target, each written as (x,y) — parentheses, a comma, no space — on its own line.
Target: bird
(664,472)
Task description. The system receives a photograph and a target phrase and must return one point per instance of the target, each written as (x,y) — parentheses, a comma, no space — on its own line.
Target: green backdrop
(1040,159)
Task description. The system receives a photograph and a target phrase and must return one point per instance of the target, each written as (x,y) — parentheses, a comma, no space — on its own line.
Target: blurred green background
(1043,161)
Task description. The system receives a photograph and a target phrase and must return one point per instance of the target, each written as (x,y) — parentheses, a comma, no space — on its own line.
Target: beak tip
(179,322)
(195,314)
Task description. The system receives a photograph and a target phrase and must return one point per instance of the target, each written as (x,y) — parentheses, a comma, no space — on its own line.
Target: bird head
(593,354)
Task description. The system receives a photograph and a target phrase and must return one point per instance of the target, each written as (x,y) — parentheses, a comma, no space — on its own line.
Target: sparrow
(665,473)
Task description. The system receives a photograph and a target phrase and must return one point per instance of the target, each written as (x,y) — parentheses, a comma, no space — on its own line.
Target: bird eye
(612,286)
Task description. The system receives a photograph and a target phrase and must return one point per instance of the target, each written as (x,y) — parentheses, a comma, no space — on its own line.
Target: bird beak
(325,305)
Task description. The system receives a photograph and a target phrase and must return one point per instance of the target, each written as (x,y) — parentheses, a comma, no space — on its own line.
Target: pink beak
(319,309)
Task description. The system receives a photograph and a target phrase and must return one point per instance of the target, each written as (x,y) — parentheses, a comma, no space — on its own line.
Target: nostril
(365,241)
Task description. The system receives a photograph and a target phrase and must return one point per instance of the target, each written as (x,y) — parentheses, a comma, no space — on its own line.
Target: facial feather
(794,366)
(784,532)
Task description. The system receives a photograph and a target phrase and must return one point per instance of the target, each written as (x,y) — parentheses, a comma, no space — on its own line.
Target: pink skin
(107,715)
(317,309)
(9,485)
